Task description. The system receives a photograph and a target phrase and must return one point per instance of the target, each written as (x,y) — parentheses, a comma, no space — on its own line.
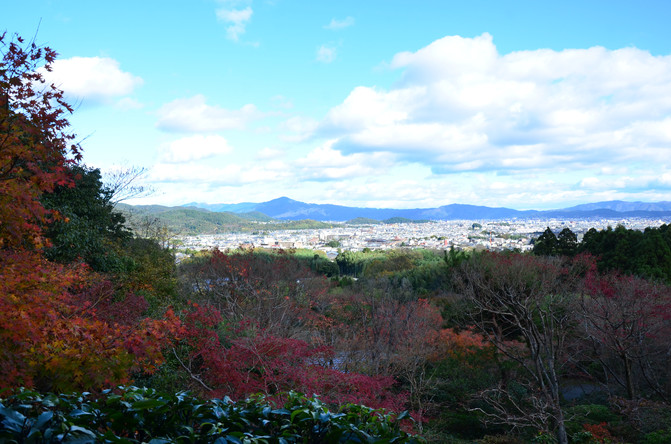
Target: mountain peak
(283,200)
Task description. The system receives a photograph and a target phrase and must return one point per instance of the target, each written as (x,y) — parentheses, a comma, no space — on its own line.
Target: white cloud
(194,147)
(326,54)
(95,79)
(269,154)
(236,19)
(324,163)
(300,128)
(128,103)
(229,175)
(194,115)
(336,24)
(460,105)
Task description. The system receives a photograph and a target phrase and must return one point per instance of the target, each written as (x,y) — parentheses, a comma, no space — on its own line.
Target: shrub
(136,415)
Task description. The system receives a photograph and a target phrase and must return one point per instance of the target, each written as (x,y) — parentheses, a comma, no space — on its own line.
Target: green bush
(658,437)
(137,415)
(588,414)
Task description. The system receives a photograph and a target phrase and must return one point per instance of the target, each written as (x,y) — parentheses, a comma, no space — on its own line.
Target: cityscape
(494,235)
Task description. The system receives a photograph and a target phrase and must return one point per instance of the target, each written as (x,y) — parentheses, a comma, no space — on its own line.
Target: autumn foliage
(51,331)
(34,141)
(52,337)
(243,359)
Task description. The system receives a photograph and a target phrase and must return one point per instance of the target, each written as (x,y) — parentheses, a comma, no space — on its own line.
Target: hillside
(194,221)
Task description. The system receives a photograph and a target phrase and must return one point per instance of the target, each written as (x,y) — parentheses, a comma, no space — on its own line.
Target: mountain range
(284,208)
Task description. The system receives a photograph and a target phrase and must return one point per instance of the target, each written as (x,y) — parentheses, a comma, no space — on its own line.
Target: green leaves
(134,415)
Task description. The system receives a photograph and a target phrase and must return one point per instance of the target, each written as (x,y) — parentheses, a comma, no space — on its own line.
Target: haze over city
(395,104)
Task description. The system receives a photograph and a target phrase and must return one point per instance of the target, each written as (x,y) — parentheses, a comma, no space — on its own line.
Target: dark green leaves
(134,415)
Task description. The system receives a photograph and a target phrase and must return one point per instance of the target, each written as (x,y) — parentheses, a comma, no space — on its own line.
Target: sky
(523,104)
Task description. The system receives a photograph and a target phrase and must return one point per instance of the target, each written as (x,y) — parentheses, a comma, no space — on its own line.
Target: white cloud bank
(195,147)
(194,115)
(326,164)
(94,79)
(461,106)
(234,175)
(464,123)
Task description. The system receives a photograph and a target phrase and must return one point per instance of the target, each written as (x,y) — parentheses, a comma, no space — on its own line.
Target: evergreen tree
(546,244)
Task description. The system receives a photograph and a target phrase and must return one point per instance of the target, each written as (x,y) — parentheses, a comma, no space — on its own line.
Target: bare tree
(527,298)
(123,183)
(626,319)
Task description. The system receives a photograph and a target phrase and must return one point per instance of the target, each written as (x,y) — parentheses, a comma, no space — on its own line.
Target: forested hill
(193,221)
(284,208)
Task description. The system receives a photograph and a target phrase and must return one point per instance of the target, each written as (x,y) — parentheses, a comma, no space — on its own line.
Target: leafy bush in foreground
(135,415)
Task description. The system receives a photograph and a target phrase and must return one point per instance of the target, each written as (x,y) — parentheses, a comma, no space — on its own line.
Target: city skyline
(389,104)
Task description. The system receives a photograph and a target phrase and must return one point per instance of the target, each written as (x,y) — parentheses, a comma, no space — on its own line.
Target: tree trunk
(631,393)
(562,437)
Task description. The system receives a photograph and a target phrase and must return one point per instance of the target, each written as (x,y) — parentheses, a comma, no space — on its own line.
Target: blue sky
(395,103)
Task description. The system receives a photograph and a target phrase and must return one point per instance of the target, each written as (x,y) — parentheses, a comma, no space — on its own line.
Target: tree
(122,183)
(34,141)
(646,254)
(52,335)
(89,228)
(531,298)
(627,322)
(546,243)
(242,360)
(277,291)
(567,242)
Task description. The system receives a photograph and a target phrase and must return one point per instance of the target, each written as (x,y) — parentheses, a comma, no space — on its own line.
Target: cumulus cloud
(236,18)
(195,147)
(95,79)
(194,115)
(460,105)
(324,164)
(326,54)
(337,24)
(229,175)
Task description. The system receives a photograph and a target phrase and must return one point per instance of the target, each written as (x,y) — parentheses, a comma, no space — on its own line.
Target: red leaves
(33,141)
(52,338)
(599,432)
(240,360)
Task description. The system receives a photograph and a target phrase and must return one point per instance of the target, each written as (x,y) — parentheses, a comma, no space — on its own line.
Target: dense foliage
(135,415)
(34,141)
(644,253)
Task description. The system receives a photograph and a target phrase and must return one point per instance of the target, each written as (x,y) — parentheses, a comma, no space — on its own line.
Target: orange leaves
(459,345)
(51,343)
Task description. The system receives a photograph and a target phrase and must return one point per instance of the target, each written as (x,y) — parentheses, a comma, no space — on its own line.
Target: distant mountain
(284,208)
(288,209)
(244,207)
(622,206)
(194,221)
